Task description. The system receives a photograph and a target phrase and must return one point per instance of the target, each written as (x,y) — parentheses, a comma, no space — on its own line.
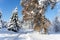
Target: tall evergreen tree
(14,23)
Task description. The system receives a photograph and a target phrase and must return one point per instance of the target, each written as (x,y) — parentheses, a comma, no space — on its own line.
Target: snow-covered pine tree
(35,9)
(14,23)
(57,24)
(2,22)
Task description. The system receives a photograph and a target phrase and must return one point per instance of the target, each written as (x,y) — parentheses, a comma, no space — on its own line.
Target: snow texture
(9,35)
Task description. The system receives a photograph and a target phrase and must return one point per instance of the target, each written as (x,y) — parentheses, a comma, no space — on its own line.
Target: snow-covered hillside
(9,35)
(24,32)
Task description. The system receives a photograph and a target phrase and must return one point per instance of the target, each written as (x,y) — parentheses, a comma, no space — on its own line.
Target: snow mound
(9,35)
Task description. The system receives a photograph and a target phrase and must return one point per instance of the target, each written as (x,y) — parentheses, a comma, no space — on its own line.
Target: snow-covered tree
(27,14)
(2,22)
(34,10)
(14,24)
(57,24)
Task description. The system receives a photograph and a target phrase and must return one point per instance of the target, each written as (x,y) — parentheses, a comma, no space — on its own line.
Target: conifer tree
(2,22)
(56,24)
(14,23)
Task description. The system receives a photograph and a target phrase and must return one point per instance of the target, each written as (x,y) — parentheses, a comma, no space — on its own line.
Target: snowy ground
(26,35)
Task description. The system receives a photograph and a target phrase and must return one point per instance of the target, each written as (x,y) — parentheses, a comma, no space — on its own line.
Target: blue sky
(6,6)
